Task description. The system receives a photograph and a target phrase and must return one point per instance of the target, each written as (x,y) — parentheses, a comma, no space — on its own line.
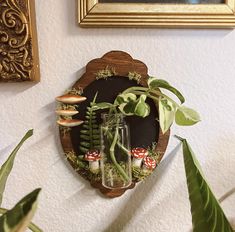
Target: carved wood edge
(19,59)
(122,63)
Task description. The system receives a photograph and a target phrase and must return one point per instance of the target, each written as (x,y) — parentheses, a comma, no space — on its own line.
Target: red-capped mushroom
(69,122)
(138,154)
(71,99)
(93,157)
(149,164)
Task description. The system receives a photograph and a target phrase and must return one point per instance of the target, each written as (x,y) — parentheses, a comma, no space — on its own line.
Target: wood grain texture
(18,41)
(122,63)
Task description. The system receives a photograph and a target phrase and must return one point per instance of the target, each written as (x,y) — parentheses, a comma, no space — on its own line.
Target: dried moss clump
(106,73)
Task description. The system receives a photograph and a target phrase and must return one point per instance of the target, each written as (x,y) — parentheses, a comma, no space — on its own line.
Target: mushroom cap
(92,155)
(69,122)
(71,99)
(150,163)
(66,112)
(139,152)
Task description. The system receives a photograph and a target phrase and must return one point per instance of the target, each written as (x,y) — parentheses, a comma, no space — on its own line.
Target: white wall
(201,63)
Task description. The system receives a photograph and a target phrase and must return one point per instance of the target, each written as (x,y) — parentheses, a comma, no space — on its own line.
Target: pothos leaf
(207,215)
(18,218)
(138,107)
(166,114)
(125,98)
(7,166)
(155,83)
(127,108)
(186,117)
(142,109)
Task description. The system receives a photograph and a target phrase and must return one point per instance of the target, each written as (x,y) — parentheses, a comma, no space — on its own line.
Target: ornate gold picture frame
(18,41)
(104,13)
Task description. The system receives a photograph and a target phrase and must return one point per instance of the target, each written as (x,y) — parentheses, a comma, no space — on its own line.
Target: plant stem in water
(112,155)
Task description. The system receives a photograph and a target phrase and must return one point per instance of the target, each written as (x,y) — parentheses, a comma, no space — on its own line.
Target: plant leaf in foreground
(207,215)
(18,218)
(7,166)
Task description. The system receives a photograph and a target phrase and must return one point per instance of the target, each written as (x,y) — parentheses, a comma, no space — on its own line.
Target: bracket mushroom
(71,99)
(138,154)
(93,157)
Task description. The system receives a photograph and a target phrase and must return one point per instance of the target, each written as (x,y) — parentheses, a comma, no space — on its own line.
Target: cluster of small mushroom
(93,157)
(66,114)
(140,156)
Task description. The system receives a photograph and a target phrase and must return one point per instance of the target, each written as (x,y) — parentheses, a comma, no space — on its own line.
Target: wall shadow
(141,193)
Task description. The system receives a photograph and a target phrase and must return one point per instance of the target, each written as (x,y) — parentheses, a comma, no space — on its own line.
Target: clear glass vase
(115,152)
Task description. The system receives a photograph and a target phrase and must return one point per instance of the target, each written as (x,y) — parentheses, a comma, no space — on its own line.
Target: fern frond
(90,134)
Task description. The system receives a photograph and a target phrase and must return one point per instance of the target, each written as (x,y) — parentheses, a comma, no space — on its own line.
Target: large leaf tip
(180,138)
(29,133)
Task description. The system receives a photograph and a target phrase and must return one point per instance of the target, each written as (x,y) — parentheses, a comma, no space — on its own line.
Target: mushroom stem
(136,162)
(145,169)
(94,165)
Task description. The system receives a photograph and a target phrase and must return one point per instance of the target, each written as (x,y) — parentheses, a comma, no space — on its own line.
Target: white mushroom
(69,122)
(93,157)
(138,154)
(66,112)
(149,164)
(71,99)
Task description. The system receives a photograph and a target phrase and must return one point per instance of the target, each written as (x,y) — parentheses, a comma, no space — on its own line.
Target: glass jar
(115,152)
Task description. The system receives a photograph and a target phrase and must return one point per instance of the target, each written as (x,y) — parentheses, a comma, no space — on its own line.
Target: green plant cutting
(207,215)
(132,102)
(18,218)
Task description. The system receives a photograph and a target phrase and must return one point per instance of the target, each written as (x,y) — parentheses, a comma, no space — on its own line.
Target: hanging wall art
(18,41)
(157,13)
(114,122)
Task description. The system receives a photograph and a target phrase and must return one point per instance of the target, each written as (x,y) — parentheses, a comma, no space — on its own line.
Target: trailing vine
(90,134)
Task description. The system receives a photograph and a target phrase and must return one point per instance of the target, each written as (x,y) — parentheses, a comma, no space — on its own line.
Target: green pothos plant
(18,218)
(132,101)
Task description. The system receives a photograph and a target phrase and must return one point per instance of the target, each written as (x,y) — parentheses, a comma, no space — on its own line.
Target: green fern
(90,134)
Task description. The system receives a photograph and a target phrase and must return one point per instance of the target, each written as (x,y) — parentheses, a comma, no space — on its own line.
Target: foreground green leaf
(7,166)
(186,117)
(166,114)
(18,218)
(155,83)
(31,225)
(207,215)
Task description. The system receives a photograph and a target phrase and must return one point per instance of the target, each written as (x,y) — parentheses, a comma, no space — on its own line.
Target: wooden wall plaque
(120,65)
(18,41)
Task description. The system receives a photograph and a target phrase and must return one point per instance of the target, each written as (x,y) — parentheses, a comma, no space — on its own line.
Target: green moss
(105,73)
(140,175)
(64,130)
(76,161)
(75,91)
(62,106)
(134,76)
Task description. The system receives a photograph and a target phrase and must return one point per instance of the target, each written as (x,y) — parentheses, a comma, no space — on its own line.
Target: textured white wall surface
(201,63)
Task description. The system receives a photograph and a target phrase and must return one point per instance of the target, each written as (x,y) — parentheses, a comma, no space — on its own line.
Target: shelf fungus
(149,164)
(138,155)
(71,99)
(66,112)
(69,122)
(93,157)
